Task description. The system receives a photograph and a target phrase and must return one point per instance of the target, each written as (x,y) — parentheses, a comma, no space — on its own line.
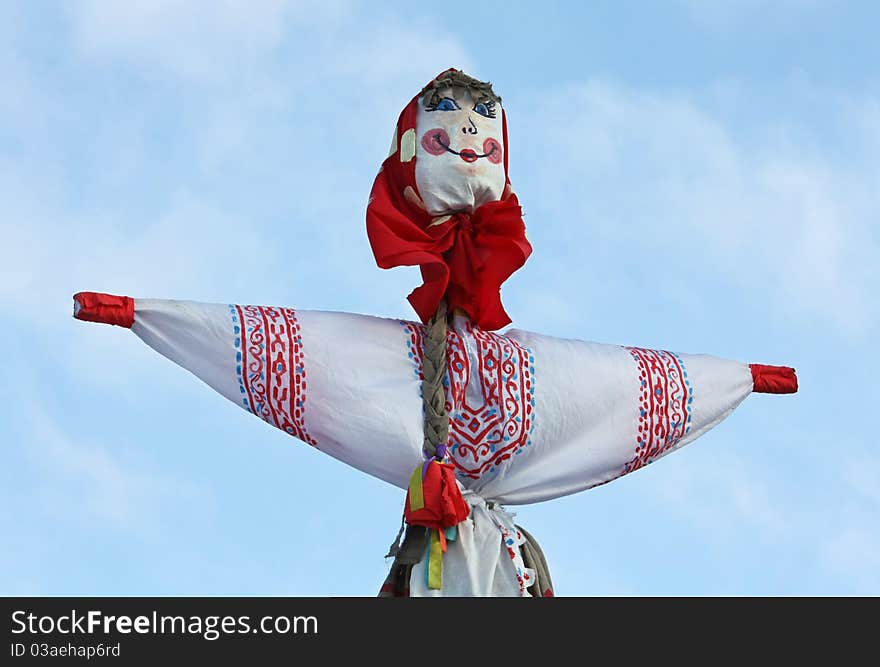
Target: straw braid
(533,557)
(433,389)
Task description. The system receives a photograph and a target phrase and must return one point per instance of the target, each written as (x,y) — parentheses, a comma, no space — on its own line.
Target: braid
(433,390)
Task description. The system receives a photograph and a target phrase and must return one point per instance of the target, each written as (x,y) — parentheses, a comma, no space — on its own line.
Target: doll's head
(442,200)
(460,151)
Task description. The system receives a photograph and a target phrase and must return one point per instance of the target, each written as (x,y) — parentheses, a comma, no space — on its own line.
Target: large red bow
(465,257)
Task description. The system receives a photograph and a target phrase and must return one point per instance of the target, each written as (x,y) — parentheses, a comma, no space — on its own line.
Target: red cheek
(435,141)
(493,151)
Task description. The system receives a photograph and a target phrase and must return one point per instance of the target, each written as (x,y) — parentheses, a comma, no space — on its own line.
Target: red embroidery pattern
(665,397)
(491,406)
(271,374)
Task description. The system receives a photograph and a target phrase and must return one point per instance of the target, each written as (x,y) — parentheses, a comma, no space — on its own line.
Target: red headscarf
(465,256)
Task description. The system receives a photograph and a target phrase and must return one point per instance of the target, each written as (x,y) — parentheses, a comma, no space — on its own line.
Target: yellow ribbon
(416,492)
(435,562)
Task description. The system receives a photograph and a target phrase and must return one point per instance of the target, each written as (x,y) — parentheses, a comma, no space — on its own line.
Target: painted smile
(467,154)
(436,142)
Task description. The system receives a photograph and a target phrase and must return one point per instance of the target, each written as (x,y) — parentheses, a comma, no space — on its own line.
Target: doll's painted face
(460,151)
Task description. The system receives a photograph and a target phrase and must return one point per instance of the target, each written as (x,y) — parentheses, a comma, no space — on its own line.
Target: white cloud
(853,552)
(728,492)
(156,209)
(86,482)
(730,15)
(863,476)
(200,40)
(223,43)
(851,548)
(676,184)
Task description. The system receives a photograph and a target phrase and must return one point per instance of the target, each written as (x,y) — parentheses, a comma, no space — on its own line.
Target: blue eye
(446,104)
(486,109)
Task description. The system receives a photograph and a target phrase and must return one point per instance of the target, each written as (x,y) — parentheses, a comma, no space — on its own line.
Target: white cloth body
(532,417)
(480,562)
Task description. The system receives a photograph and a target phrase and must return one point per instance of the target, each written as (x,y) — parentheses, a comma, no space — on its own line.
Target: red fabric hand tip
(773,379)
(104,308)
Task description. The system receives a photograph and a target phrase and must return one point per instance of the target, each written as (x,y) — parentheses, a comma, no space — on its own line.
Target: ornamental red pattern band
(665,398)
(493,422)
(271,373)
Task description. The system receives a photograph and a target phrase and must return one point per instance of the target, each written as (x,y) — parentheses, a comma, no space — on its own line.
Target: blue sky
(701,177)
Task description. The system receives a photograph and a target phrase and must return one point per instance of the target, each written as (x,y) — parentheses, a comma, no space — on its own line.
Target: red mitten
(773,379)
(104,308)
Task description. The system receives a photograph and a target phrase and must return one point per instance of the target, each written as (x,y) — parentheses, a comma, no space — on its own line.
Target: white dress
(532,417)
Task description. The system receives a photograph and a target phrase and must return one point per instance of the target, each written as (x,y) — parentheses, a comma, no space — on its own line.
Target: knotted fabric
(433,499)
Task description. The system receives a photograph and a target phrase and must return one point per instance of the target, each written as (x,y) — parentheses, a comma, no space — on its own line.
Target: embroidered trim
(491,404)
(665,398)
(272,379)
